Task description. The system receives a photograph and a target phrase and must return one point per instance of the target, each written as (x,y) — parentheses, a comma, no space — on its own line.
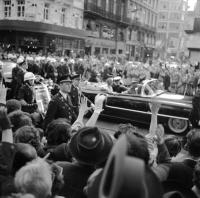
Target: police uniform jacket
(59,107)
(74,96)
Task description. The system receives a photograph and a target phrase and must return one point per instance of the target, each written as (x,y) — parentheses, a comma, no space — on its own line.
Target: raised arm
(99,99)
(7,135)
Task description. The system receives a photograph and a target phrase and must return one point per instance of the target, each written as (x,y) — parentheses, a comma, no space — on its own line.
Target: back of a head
(18,119)
(173,145)
(25,153)
(29,135)
(13,105)
(193,143)
(138,147)
(58,132)
(35,178)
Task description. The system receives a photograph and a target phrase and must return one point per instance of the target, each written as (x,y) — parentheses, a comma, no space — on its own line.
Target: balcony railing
(93,8)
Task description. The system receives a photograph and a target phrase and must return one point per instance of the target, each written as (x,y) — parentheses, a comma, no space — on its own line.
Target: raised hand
(160,132)
(4,121)
(3,93)
(83,106)
(99,99)
(154,107)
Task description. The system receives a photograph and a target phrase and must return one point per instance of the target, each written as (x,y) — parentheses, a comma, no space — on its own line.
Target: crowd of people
(56,153)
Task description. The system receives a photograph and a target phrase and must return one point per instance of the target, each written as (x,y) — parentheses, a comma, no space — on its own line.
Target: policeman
(27,93)
(18,76)
(61,104)
(75,92)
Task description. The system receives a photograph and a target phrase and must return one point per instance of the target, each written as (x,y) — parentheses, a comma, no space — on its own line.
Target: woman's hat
(90,145)
(126,176)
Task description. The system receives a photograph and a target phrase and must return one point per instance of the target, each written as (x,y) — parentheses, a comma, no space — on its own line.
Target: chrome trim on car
(147,112)
(154,99)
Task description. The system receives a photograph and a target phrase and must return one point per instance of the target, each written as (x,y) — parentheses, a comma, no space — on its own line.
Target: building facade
(192,30)
(106,23)
(141,34)
(171,35)
(47,25)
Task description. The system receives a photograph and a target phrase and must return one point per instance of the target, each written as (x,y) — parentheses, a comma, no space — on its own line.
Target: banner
(42,97)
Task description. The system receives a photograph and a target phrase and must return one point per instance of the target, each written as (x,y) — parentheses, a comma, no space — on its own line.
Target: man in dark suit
(75,93)
(61,104)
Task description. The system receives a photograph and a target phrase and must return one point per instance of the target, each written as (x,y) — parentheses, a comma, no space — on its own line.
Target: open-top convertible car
(173,113)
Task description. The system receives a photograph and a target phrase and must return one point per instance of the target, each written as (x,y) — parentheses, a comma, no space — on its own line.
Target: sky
(191,4)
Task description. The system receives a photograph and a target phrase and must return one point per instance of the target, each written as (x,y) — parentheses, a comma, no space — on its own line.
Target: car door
(127,107)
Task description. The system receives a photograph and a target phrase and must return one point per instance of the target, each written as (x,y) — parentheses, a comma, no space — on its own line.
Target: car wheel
(178,126)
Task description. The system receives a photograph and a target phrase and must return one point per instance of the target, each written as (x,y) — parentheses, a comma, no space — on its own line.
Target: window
(164,5)
(20,8)
(163,15)
(174,26)
(162,26)
(63,16)
(111,6)
(7,8)
(46,11)
(103,4)
(175,16)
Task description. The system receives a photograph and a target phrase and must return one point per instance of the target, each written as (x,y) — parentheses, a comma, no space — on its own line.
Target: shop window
(112,51)
(120,51)
(105,51)
(97,50)
(7,8)
(20,8)
(46,11)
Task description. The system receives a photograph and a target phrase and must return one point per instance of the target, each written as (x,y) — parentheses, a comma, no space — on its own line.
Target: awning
(40,27)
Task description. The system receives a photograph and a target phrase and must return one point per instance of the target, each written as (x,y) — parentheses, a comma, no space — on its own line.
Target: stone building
(141,34)
(170,37)
(42,25)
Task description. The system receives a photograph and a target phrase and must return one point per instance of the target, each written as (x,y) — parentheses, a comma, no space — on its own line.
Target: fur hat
(90,146)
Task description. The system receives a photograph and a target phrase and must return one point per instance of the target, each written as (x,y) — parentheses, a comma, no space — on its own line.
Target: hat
(29,76)
(125,176)
(90,145)
(117,78)
(76,76)
(20,60)
(65,78)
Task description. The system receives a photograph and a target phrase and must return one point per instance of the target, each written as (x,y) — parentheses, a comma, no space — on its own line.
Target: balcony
(93,9)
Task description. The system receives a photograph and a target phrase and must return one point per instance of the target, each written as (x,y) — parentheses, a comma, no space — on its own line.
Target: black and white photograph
(99,98)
